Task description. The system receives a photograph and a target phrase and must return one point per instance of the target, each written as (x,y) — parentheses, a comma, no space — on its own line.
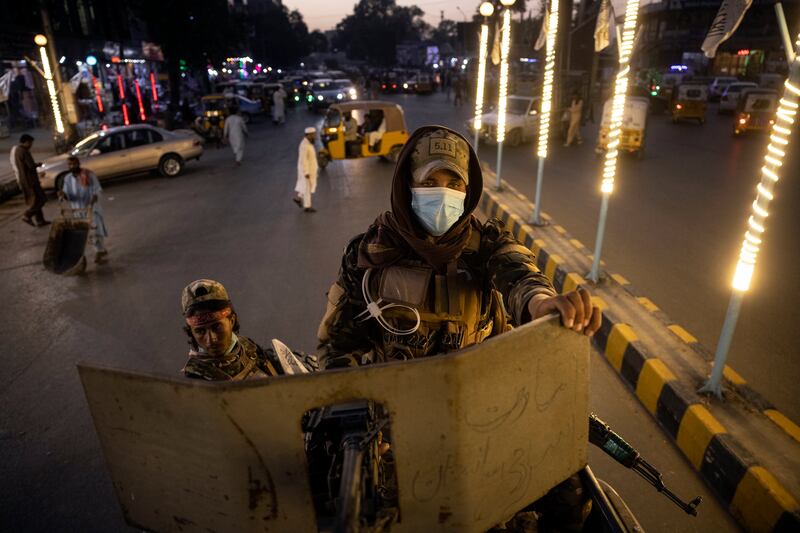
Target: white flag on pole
(542,39)
(728,18)
(605,17)
(496,45)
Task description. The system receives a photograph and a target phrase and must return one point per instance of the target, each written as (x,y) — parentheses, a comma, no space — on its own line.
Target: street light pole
(615,130)
(67,99)
(47,73)
(486,10)
(773,160)
(505,45)
(546,106)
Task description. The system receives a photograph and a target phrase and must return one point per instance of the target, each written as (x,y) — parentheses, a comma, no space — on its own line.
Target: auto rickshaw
(382,131)
(689,101)
(634,125)
(212,122)
(755,111)
(255,90)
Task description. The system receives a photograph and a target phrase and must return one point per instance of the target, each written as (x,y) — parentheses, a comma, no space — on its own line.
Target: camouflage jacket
(247,360)
(495,260)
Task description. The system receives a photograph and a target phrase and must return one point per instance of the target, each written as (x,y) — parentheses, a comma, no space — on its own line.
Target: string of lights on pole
(773,160)
(620,95)
(505,46)
(625,45)
(41,41)
(779,138)
(486,9)
(546,106)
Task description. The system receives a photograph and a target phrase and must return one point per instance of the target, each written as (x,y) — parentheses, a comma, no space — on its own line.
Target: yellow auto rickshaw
(381,131)
(634,125)
(755,111)
(212,122)
(689,101)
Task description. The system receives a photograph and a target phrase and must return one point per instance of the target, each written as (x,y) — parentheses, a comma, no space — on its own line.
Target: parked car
(126,150)
(718,86)
(730,97)
(522,121)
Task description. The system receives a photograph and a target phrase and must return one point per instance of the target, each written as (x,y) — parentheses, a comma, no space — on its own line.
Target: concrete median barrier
(745,450)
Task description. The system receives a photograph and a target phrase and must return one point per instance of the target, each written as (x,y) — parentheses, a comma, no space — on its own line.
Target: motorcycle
(352,480)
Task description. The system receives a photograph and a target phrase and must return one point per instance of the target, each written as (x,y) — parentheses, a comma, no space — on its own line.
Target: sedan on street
(522,121)
(325,92)
(125,150)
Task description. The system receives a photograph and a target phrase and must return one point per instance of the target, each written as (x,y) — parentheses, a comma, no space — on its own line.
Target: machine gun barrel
(348,517)
(602,436)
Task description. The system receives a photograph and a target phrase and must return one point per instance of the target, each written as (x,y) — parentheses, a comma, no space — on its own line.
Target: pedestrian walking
(458,91)
(235,133)
(82,190)
(306,171)
(25,172)
(279,106)
(575,114)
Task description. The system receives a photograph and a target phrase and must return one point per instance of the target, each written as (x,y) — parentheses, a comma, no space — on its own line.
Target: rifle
(345,467)
(602,436)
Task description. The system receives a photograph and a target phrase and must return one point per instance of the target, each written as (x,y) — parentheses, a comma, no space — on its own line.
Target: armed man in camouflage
(218,352)
(427,277)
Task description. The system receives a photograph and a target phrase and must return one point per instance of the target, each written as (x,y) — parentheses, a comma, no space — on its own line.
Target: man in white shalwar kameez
(235,133)
(279,106)
(82,190)
(575,113)
(374,137)
(306,171)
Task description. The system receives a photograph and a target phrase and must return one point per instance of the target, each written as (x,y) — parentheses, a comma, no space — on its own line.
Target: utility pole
(67,98)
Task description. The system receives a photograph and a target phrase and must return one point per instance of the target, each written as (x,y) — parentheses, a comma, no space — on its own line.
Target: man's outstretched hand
(575,307)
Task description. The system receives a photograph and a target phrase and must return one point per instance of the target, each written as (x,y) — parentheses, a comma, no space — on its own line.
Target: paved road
(237,225)
(675,224)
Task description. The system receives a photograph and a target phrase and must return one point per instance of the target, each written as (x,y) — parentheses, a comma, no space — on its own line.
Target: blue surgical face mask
(437,208)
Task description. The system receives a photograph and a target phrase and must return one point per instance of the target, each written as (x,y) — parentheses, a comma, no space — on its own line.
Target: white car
(324,92)
(730,97)
(522,121)
(126,150)
(347,89)
(719,85)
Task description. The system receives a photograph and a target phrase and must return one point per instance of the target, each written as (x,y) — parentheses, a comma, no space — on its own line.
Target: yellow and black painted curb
(753,495)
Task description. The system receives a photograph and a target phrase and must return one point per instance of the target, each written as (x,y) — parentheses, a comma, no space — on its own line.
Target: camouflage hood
(397,233)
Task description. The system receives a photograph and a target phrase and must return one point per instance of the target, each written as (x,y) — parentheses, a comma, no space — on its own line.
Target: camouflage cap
(202,290)
(438,150)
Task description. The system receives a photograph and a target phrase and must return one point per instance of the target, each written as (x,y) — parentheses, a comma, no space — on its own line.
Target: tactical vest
(456,309)
(240,365)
